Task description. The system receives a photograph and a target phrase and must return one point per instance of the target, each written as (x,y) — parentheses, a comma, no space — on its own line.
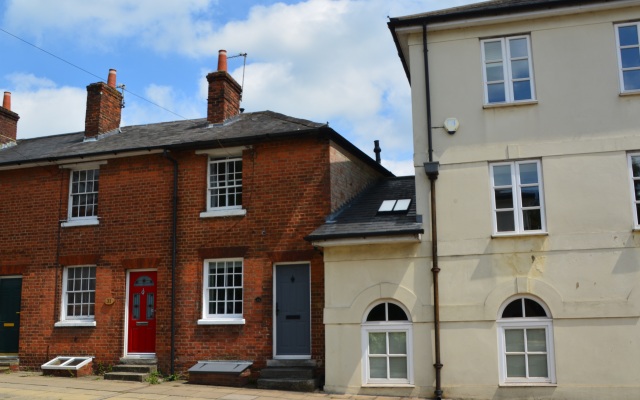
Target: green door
(10,289)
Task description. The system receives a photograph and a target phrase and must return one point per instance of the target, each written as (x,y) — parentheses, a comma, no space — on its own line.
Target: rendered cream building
(536,210)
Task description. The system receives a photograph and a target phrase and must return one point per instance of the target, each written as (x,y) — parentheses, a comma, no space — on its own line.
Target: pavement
(34,386)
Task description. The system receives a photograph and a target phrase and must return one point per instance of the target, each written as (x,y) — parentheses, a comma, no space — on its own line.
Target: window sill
(234,212)
(80,222)
(527,384)
(630,93)
(75,324)
(518,234)
(239,321)
(397,385)
(512,104)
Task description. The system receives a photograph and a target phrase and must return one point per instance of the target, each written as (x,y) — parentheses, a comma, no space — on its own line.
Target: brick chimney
(8,121)
(224,93)
(104,107)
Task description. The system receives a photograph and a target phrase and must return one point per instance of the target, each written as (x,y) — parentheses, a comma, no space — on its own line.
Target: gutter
(174,250)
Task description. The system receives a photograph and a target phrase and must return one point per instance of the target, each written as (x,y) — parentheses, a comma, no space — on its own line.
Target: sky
(323,60)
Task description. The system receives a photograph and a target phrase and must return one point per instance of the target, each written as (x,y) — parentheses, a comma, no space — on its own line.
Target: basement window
(67,363)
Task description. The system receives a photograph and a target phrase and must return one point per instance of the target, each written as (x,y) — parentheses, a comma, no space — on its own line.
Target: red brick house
(178,241)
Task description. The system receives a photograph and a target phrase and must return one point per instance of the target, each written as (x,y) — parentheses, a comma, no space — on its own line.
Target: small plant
(102,369)
(154,378)
(173,377)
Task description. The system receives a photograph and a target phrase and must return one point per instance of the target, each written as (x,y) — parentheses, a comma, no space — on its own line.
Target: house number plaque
(109,301)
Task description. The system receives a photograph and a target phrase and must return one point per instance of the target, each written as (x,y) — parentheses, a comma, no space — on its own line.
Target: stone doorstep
(132,369)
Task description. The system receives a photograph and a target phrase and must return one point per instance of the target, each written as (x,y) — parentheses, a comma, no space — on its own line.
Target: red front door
(142,312)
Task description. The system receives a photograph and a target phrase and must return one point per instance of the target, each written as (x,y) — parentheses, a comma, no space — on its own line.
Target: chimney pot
(377,150)
(111,80)
(6,101)
(222,60)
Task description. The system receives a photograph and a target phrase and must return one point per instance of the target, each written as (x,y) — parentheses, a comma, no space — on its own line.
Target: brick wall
(286,192)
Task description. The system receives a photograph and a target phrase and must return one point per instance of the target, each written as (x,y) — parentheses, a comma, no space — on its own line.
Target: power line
(89,72)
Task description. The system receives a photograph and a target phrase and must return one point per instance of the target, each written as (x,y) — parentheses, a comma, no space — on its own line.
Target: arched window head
(386,312)
(524,308)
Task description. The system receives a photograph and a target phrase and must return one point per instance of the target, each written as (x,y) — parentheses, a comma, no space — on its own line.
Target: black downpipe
(431,169)
(174,247)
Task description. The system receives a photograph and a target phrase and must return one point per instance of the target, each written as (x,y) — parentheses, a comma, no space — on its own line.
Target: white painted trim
(632,190)
(86,221)
(228,321)
(228,212)
(125,349)
(11,277)
(276,356)
(224,152)
(619,55)
(77,323)
(415,238)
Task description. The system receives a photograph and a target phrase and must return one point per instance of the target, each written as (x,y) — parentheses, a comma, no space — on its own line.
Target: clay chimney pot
(6,101)
(222,60)
(111,80)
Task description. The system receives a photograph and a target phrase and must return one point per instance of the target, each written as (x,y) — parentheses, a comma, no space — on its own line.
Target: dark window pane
(533,309)
(628,35)
(502,175)
(630,57)
(505,221)
(528,173)
(530,196)
(396,313)
(631,79)
(531,220)
(522,90)
(518,48)
(638,213)
(504,198)
(377,313)
(519,69)
(495,72)
(495,92)
(513,310)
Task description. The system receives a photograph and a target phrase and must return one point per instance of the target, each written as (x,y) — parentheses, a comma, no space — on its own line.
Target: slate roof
(360,218)
(245,128)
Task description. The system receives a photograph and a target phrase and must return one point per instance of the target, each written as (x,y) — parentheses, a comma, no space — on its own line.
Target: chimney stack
(104,107)
(224,93)
(377,150)
(8,121)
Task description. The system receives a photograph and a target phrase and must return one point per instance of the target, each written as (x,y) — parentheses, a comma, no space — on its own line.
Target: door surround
(126,315)
(276,356)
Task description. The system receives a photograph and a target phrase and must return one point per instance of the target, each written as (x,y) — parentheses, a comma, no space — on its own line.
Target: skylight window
(394,205)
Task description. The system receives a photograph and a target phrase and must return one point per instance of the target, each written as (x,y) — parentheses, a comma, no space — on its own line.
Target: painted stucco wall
(585,268)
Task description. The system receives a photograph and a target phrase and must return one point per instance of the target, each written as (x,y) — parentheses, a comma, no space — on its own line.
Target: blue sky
(322,60)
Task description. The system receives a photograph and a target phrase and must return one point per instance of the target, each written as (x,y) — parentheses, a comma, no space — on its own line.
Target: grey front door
(293,313)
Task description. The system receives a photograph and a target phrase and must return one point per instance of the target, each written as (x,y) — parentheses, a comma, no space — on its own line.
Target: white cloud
(45,108)
(324,60)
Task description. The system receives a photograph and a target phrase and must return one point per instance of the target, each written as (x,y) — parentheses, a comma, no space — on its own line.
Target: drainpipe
(431,169)
(174,247)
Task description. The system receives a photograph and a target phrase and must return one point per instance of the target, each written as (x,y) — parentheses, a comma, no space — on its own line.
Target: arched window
(387,345)
(525,343)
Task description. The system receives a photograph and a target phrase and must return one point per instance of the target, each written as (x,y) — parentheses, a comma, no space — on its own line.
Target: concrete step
(126,376)
(286,373)
(297,385)
(139,361)
(292,363)
(143,369)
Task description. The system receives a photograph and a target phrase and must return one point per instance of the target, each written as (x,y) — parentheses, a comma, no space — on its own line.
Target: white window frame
(621,70)
(507,71)
(80,221)
(516,192)
(524,324)
(220,319)
(221,155)
(386,327)
(635,196)
(76,320)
